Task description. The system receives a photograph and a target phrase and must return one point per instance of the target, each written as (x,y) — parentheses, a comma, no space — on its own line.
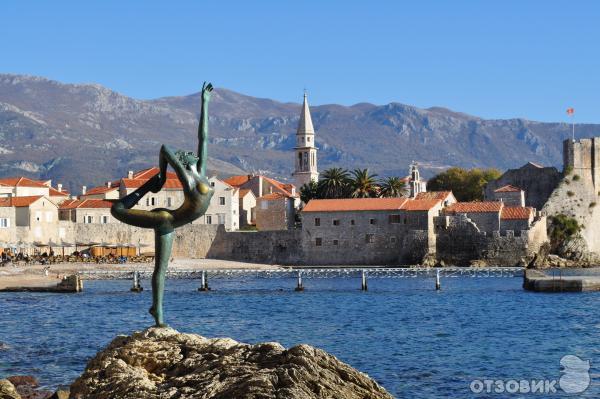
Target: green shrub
(570,193)
(562,228)
(592,204)
(576,177)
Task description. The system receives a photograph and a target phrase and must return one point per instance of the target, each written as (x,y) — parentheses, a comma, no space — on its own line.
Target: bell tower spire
(305,169)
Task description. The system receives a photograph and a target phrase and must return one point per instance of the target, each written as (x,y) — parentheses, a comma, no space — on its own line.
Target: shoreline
(33,276)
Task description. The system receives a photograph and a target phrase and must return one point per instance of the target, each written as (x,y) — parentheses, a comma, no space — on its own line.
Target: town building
(369,230)
(25,187)
(415,184)
(29,219)
(275,203)
(510,195)
(275,211)
(86,211)
(305,164)
(223,208)
(247,207)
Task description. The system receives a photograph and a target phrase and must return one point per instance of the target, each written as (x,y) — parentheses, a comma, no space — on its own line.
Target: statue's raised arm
(203,129)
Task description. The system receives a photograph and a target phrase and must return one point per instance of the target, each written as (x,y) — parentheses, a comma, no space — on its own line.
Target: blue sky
(499,59)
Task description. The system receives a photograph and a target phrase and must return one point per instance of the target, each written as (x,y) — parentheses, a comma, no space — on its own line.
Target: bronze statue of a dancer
(191,172)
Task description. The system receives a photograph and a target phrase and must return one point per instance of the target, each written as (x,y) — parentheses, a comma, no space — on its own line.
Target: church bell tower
(305,169)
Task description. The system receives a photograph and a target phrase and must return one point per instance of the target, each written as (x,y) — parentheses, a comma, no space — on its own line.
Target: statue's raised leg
(163,245)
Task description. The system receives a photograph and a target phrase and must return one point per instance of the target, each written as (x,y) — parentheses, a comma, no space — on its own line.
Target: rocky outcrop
(8,390)
(162,363)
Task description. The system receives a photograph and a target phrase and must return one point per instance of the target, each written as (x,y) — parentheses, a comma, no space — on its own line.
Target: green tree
(363,184)
(309,191)
(334,183)
(467,185)
(393,187)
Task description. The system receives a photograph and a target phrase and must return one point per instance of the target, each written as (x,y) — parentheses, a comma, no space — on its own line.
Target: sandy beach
(34,276)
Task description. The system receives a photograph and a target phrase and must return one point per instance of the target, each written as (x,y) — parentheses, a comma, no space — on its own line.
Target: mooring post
(204,281)
(136,287)
(363,285)
(299,287)
(438,285)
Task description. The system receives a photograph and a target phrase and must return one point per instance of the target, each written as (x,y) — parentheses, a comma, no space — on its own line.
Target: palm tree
(363,184)
(334,183)
(393,187)
(309,191)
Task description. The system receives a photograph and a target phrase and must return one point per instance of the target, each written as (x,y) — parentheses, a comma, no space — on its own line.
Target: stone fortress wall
(577,195)
(460,241)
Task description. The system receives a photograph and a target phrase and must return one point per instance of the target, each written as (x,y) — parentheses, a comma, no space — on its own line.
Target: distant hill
(86,134)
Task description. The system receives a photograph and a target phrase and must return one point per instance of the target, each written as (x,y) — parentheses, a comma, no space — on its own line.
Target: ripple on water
(412,340)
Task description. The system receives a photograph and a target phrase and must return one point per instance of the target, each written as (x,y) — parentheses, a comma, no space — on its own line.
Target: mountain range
(86,134)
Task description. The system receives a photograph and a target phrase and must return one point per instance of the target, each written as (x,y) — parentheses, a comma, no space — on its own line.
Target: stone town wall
(462,243)
(537,182)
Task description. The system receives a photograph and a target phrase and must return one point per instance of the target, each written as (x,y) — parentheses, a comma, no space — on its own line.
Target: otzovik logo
(575,378)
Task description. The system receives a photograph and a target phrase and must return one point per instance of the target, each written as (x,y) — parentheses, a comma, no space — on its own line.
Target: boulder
(8,390)
(27,387)
(163,363)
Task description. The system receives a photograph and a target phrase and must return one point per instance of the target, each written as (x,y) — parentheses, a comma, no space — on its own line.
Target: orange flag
(570,111)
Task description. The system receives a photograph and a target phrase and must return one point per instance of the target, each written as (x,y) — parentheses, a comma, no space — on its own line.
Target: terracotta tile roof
(284,188)
(170,183)
(18,202)
(101,190)
(420,204)
(274,196)
(434,195)
(150,172)
(475,207)
(244,191)
(507,189)
(55,193)
(516,213)
(85,204)
(354,204)
(22,182)
(237,181)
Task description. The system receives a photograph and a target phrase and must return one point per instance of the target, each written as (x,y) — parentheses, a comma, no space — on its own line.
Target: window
(405,220)
(152,201)
(89,219)
(336,222)
(38,216)
(169,202)
(392,239)
(395,219)
(352,222)
(147,201)
(104,219)
(372,221)
(208,219)
(335,242)
(317,221)
(308,139)
(234,211)
(4,223)
(318,241)
(370,238)
(221,200)
(212,183)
